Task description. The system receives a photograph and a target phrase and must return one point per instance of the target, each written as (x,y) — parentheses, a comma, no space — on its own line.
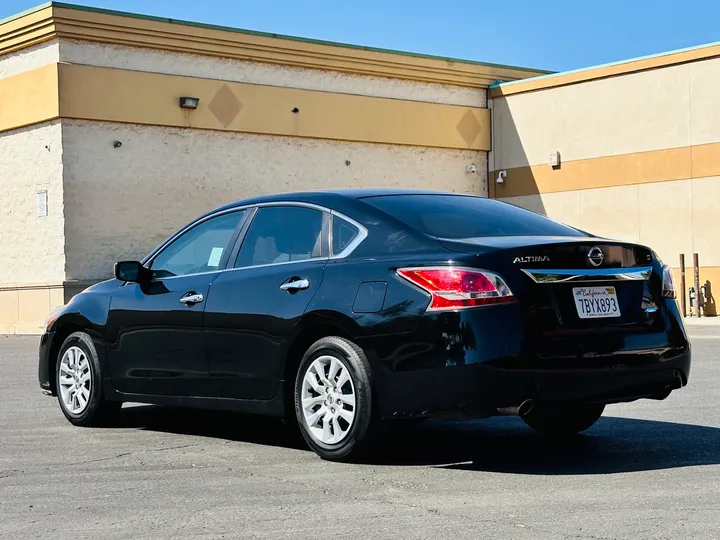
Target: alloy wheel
(328,399)
(75,380)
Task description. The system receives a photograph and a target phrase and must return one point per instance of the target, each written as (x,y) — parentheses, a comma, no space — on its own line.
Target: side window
(343,232)
(282,234)
(198,250)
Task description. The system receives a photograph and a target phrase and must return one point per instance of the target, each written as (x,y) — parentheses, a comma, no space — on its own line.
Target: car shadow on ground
(613,445)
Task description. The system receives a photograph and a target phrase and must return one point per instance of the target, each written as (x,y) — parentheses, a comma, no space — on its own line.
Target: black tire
(356,442)
(98,410)
(563,421)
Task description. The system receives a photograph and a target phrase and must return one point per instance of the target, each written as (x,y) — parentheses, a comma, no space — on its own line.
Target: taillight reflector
(458,288)
(668,285)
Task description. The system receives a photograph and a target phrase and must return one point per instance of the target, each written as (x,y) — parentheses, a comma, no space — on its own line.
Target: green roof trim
(24,13)
(91,9)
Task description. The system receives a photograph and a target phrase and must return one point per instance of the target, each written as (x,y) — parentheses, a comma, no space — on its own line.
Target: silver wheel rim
(75,380)
(328,399)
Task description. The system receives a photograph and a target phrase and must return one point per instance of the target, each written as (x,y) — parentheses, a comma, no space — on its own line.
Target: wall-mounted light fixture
(189,102)
(554,160)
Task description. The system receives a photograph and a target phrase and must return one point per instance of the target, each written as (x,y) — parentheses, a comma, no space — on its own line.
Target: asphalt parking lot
(646,470)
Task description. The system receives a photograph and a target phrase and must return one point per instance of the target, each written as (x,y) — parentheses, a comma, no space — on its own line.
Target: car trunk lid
(554,279)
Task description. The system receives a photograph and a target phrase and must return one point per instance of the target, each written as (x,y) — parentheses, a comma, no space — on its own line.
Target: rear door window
(458,216)
(281,234)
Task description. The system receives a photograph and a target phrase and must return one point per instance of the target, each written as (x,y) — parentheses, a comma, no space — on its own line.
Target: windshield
(458,216)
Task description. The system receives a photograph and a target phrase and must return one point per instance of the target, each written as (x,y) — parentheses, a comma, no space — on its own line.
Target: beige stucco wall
(121,202)
(32,246)
(32,258)
(227,69)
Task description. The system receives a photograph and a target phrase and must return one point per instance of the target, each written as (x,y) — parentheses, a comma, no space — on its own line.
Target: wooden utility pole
(683,291)
(698,296)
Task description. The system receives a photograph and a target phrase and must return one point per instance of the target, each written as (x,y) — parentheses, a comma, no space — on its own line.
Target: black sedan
(345,309)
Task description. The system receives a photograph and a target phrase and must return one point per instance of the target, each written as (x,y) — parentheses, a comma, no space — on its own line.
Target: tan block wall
(31,247)
(123,202)
(23,308)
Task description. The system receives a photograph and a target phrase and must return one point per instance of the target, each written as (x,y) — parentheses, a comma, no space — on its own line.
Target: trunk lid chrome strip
(542,275)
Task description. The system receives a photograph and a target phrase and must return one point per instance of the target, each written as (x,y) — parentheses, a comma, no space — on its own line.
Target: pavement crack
(124,454)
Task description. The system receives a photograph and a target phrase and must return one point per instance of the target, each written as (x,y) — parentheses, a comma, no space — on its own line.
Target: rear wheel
(79,383)
(563,420)
(333,399)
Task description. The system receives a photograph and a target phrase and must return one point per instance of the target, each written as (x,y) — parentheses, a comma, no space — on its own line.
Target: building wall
(28,59)
(32,255)
(228,69)
(122,202)
(640,158)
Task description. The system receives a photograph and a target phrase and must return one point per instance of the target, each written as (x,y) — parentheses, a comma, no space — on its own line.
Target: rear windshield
(457,216)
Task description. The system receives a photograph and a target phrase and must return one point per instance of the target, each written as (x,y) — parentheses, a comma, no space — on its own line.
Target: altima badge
(596,256)
(531,258)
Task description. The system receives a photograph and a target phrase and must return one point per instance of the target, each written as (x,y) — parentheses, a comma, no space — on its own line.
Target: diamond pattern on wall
(225,105)
(469,127)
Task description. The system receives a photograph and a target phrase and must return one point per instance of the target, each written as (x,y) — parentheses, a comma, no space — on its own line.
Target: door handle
(190,299)
(295,285)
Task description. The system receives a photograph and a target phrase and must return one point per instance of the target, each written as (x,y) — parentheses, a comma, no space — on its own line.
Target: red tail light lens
(668,287)
(459,288)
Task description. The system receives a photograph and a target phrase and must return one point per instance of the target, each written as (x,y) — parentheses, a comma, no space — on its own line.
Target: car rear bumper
(45,375)
(481,389)
(490,388)
(487,358)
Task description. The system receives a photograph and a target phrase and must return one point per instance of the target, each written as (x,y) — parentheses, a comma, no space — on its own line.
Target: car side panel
(86,311)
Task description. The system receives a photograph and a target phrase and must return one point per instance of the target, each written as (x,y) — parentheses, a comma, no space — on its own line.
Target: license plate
(596,302)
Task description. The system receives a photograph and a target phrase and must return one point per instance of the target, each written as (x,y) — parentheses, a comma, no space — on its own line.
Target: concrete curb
(702,321)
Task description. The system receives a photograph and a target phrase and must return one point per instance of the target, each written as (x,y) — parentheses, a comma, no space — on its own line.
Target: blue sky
(545,34)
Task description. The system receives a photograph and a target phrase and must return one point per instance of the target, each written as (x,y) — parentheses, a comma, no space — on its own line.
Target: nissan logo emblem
(596,256)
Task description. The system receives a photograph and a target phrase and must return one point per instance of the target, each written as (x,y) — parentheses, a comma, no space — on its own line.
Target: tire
(331,435)
(70,372)
(563,421)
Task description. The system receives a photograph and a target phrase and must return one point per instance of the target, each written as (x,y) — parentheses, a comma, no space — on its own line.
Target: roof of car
(326,195)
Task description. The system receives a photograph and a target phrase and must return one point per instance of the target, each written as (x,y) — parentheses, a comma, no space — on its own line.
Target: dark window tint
(200,249)
(343,232)
(282,234)
(448,216)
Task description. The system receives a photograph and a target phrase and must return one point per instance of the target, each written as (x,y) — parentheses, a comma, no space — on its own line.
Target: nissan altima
(346,310)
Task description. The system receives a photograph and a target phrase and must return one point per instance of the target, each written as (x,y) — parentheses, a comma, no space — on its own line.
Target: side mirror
(132,271)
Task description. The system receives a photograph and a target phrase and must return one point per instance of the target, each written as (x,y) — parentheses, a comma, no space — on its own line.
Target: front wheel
(333,399)
(564,420)
(79,383)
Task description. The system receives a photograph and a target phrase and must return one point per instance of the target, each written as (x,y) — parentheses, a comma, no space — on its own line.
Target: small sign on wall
(42,203)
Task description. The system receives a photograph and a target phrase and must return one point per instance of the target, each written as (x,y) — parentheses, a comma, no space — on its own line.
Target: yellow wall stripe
(609,171)
(29,98)
(115,95)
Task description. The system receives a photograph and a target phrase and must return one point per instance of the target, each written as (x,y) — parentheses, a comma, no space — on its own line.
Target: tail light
(458,288)
(668,286)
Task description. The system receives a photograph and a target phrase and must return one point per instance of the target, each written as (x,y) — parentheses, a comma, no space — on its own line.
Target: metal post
(698,297)
(683,292)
